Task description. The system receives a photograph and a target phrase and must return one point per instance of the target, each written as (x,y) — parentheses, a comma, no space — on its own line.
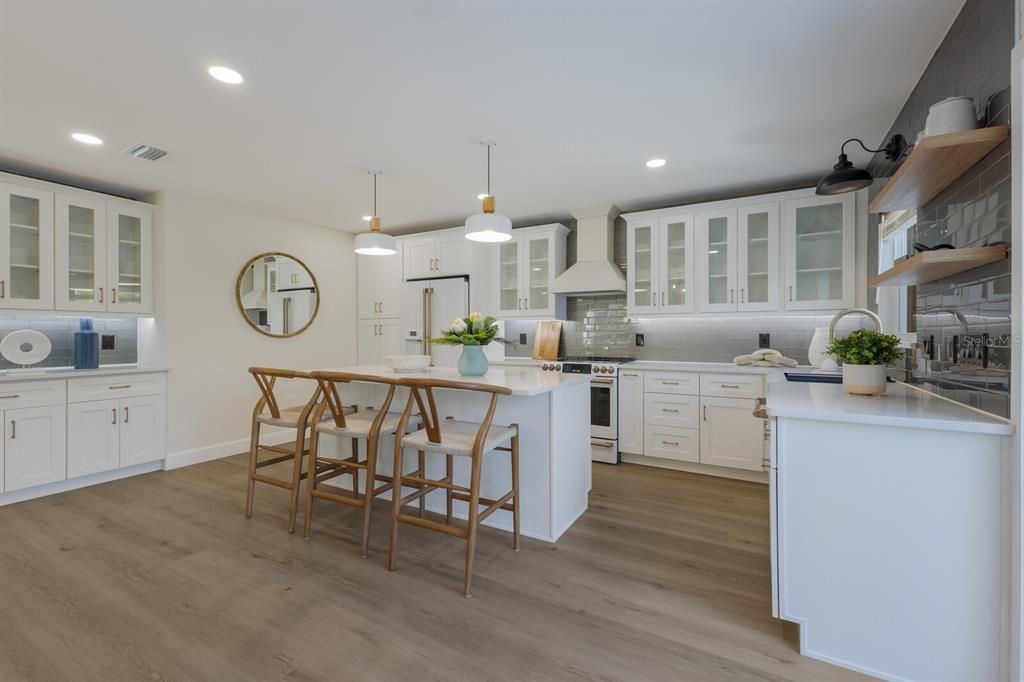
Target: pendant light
(488,226)
(845,177)
(375,242)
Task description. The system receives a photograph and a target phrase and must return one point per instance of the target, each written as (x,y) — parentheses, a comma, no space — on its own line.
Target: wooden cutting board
(545,341)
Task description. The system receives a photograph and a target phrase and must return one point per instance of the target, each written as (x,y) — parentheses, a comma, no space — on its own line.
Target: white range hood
(594,271)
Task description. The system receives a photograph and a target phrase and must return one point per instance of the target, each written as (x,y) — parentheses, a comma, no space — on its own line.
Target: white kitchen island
(553,414)
(889,528)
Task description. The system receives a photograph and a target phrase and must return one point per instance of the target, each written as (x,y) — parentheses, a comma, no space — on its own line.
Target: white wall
(200,335)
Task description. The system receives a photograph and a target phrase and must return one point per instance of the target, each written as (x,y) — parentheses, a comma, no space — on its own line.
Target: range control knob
(557,368)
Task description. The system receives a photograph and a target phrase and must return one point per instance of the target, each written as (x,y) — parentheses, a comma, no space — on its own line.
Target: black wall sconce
(845,177)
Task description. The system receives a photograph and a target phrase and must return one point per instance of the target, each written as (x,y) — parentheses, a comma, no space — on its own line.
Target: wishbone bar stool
(453,439)
(369,425)
(268,411)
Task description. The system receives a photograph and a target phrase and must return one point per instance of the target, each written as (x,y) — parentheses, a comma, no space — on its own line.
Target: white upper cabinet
(659,264)
(818,241)
(81,254)
(130,257)
(525,268)
(26,248)
(441,254)
(379,285)
(716,244)
(757,257)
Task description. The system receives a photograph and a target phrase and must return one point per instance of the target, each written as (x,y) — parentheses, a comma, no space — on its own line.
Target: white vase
(819,342)
(864,379)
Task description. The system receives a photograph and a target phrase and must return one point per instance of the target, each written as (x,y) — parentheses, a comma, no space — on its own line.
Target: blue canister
(87,346)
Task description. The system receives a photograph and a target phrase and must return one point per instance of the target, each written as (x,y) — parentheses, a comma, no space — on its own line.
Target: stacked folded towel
(765,357)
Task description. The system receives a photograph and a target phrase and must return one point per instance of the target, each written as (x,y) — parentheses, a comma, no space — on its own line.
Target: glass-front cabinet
(819,248)
(716,239)
(81,254)
(129,248)
(659,264)
(757,257)
(525,270)
(26,248)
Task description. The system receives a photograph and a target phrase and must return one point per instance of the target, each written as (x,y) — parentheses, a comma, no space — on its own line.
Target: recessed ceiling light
(367,218)
(86,138)
(656,163)
(225,75)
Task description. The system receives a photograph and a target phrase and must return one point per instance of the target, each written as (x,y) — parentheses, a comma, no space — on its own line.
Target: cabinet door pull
(3,288)
(663,298)
(126,415)
(705,413)
(670,442)
(526,303)
(14,429)
(113,295)
(113,415)
(732,295)
(741,295)
(519,304)
(111,388)
(791,294)
(101,295)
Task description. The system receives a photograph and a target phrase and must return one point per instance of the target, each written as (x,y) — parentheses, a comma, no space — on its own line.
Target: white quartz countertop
(523,380)
(65,373)
(670,366)
(901,405)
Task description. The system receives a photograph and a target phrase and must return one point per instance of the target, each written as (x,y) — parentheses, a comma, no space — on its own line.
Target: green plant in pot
(472,333)
(865,354)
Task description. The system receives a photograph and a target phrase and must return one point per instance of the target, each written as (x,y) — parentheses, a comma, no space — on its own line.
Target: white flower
(458,325)
(475,317)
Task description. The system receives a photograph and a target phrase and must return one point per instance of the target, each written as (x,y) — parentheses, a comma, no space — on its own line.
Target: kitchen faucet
(947,309)
(849,311)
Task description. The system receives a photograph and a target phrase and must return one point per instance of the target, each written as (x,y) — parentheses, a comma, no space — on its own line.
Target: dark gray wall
(973,60)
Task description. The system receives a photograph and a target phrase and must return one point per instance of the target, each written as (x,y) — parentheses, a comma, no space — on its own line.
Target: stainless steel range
(604,400)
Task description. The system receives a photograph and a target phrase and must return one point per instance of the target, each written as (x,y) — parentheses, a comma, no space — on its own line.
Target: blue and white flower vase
(473,361)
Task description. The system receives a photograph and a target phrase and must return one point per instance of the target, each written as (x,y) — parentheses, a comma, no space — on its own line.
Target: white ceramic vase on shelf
(864,379)
(816,351)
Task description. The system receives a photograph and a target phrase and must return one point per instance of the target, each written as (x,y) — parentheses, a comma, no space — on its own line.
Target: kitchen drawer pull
(121,386)
(8,397)
(670,383)
(665,409)
(729,385)
(602,382)
(670,442)
(601,445)
(626,374)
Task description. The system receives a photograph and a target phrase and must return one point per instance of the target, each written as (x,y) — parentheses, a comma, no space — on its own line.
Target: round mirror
(277,294)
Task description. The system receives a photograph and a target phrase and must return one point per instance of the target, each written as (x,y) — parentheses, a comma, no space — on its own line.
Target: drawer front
(678,383)
(18,394)
(680,411)
(123,386)
(672,443)
(732,385)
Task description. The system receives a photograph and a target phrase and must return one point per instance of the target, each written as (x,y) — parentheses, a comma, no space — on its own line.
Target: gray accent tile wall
(60,330)
(973,60)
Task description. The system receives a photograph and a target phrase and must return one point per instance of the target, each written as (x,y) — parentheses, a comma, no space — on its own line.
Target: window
(892,247)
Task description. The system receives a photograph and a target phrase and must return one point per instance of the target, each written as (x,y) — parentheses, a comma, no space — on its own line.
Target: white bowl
(951,115)
(408,363)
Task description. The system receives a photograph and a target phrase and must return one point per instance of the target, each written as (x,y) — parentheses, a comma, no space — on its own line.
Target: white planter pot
(816,351)
(864,379)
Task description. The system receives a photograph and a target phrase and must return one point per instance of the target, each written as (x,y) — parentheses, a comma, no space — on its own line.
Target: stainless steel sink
(814,377)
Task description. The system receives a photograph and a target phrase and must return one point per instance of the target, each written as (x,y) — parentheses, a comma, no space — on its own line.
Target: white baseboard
(693,468)
(75,483)
(184,458)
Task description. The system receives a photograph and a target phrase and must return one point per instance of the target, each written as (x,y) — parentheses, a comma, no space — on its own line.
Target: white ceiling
(740,94)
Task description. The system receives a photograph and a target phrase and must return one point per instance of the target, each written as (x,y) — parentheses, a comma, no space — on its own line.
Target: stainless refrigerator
(429,306)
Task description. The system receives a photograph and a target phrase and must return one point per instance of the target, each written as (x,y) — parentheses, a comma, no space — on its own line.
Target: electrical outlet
(522,338)
(639,339)
(107,342)
(764,340)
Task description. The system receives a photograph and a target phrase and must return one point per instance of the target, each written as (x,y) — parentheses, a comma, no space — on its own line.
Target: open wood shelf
(934,165)
(929,266)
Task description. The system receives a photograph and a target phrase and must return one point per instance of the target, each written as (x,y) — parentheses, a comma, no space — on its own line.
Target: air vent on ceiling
(144,151)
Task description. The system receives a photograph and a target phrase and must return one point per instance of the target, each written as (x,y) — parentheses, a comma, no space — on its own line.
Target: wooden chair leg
(314,446)
(421,462)
(396,503)
(355,472)
(515,492)
(449,473)
(474,510)
(250,489)
(293,502)
(371,483)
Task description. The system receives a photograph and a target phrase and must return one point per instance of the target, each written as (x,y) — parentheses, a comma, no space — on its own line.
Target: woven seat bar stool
(370,425)
(268,411)
(453,439)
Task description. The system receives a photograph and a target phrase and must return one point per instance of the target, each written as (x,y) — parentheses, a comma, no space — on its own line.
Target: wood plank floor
(160,577)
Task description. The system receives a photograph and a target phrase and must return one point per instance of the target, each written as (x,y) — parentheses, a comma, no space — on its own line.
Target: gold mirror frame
(238,294)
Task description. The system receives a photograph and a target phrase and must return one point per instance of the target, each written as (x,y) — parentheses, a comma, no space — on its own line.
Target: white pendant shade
(375,244)
(488,227)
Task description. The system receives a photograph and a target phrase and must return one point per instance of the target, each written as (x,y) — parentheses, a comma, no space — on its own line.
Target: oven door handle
(600,445)
(603,382)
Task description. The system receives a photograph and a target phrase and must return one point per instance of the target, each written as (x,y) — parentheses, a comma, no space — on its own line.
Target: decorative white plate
(25,347)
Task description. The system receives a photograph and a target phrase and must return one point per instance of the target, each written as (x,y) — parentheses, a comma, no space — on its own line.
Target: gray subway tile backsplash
(60,329)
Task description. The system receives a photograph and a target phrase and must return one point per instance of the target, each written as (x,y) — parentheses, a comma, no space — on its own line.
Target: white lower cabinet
(34,446)
(730,436)
(108,434)
(378,339)
(692,417)
(143,429)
